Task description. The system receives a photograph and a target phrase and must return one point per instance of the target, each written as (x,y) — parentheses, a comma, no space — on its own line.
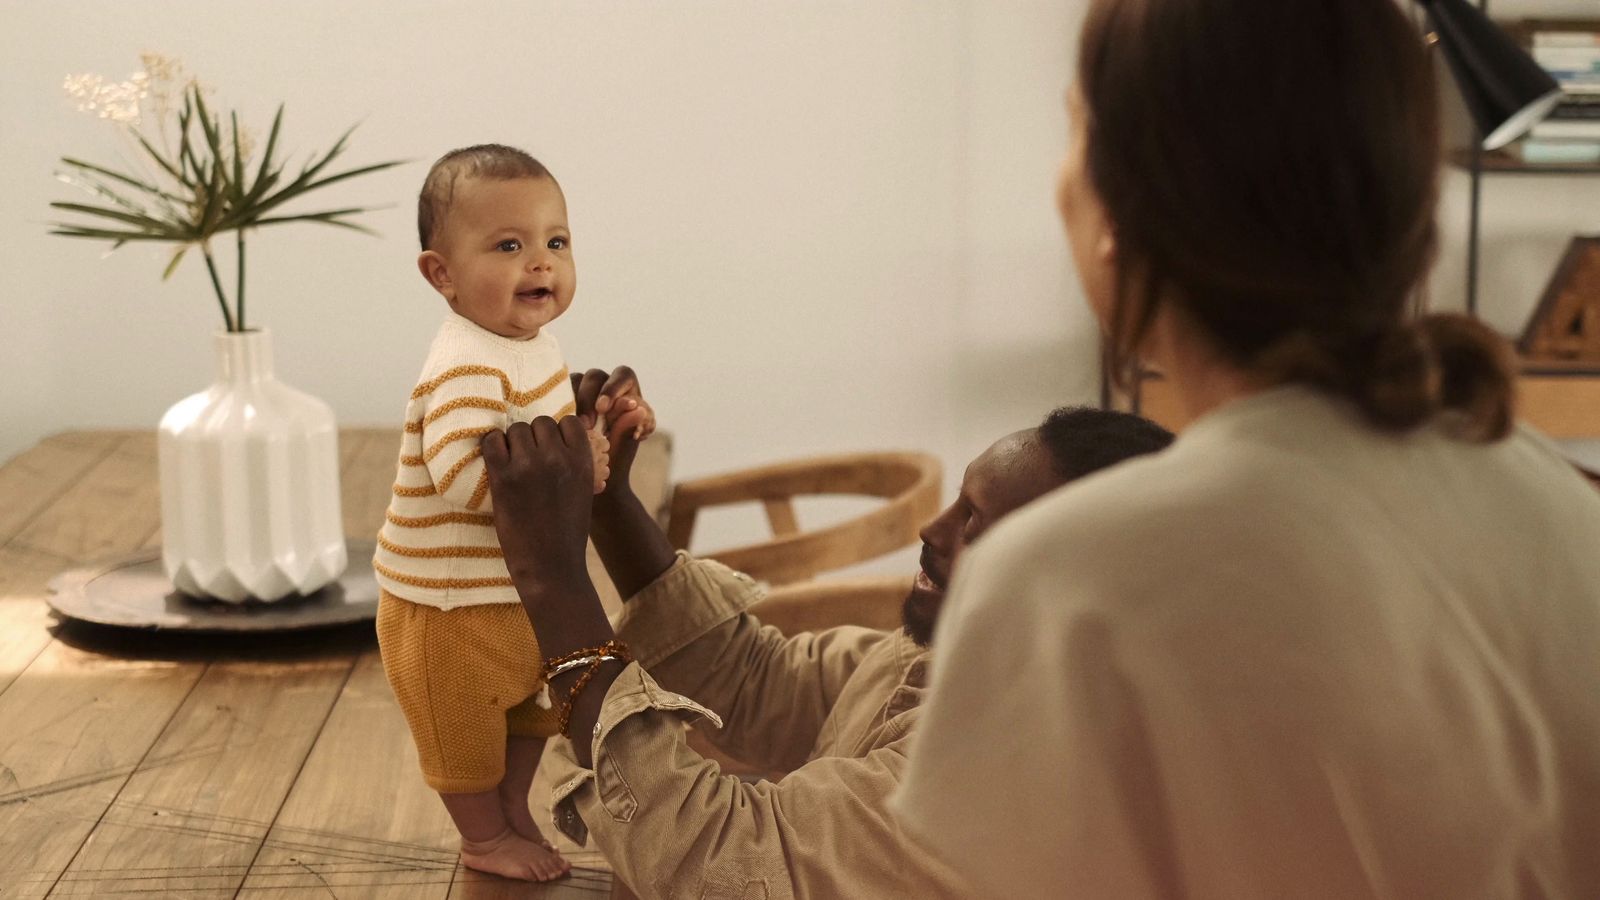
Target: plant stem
(222,300)
(239,294)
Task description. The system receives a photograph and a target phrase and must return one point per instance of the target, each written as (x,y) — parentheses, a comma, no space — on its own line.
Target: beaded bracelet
(594,657)
(578,663)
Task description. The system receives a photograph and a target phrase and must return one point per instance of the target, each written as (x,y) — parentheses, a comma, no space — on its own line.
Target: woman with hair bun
(1343,638)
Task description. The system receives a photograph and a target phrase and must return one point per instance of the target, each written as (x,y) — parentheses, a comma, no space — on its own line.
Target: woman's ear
(437,273)
(1106,247)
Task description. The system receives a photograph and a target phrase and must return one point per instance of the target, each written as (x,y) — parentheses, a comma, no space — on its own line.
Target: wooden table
(142,765)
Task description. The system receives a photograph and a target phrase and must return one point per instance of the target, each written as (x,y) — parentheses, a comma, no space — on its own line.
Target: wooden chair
(909,481)
(817,605)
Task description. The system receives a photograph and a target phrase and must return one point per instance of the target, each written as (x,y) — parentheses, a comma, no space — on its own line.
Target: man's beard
(919,613)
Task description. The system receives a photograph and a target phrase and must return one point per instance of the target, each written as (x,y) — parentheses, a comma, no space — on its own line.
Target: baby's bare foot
(600,450)
(513,856)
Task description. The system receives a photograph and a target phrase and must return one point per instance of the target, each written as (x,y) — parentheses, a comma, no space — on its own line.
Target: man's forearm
(567,618)
(632,546)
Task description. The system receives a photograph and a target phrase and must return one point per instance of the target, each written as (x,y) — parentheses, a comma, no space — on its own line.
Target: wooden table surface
(144,765)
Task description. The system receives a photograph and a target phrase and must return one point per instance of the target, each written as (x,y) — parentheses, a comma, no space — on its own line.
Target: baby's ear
(436,273)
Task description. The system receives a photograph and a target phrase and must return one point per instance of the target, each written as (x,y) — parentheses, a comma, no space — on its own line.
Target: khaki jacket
(834,707)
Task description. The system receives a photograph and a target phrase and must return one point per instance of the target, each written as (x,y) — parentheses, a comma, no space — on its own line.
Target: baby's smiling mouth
(535,294)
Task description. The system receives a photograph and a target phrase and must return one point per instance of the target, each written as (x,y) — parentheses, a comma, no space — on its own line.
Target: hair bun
(1477,372)
(1397,381)
(1438,363)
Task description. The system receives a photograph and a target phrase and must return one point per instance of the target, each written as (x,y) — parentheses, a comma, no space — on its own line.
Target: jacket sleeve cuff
(684,603)
(633,693)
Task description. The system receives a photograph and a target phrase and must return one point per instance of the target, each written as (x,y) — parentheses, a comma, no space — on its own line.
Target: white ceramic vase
(250,483)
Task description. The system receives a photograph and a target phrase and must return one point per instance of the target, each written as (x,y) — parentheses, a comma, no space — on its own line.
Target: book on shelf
(1566,129)
(1571,57)
(1576,109)
(1566,38)
(1554,153)
(1570,134)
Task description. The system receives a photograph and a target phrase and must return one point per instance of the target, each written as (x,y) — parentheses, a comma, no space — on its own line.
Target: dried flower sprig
(205,186)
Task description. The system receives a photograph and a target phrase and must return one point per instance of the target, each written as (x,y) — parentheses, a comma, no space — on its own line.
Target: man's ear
(437,273)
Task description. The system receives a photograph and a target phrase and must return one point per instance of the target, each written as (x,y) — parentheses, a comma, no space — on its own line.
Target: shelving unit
(1502,163)
(1479,163)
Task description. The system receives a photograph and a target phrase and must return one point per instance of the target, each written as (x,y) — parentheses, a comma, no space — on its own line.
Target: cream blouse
(1289,657)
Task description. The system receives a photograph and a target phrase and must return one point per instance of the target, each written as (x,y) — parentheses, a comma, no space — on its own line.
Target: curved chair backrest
(873,602)
(909,481)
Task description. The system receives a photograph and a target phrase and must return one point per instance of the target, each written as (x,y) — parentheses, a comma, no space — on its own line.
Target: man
(835,708)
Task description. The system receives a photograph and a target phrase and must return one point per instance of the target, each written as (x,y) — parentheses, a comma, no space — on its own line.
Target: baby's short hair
(495,161)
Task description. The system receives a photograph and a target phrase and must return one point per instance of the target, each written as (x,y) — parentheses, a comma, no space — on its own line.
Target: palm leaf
(376,167)
(212,194)
(236,187)
(261,187)
(353,226)
(107,234)
(140,219)
(117,176)
(266,176)
(300,186)
(215,198)
(194,176)
(157,156)
(334,151)
(324,214)
(173,265)
(208,124)
(91,186)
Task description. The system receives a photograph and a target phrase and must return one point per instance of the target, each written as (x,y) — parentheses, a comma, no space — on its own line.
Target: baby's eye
(509,245)
(559,243)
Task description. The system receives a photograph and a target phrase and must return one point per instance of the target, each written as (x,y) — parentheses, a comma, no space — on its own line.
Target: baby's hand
(614,402)
(600,448)
(631,413)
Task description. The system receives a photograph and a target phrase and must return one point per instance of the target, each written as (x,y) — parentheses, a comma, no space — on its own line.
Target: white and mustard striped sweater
(438,545)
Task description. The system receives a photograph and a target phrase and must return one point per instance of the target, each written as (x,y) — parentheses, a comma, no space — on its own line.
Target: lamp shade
(1506,91)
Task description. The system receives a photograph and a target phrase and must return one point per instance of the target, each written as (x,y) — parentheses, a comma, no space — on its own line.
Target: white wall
(812,226)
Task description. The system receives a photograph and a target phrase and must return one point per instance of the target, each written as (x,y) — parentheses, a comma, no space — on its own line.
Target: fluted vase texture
(250,483)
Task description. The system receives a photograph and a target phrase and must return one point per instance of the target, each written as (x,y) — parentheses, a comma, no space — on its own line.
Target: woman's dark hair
(1271,167)
(1081,440)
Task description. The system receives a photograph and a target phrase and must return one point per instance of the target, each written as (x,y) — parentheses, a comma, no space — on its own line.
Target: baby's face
(508,253)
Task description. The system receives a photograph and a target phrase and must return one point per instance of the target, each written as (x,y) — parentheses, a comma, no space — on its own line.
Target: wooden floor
(151,766)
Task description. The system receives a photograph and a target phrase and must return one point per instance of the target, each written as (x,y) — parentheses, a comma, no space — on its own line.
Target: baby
(456,645)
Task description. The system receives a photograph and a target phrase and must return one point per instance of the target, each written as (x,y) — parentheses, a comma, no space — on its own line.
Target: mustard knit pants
(465,678)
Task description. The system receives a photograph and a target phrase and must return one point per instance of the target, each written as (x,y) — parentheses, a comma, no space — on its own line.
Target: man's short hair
(495,161)
(1081,440)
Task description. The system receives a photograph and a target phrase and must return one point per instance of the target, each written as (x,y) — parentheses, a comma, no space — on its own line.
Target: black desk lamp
(1506,91)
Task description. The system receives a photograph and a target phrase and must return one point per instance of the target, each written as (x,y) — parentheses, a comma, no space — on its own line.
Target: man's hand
(615,400)
(541,476)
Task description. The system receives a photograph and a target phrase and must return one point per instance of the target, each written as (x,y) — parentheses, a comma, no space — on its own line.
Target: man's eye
(558,243)
(511,245)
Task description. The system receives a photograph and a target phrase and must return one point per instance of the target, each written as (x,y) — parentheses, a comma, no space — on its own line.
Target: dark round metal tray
(133,592)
